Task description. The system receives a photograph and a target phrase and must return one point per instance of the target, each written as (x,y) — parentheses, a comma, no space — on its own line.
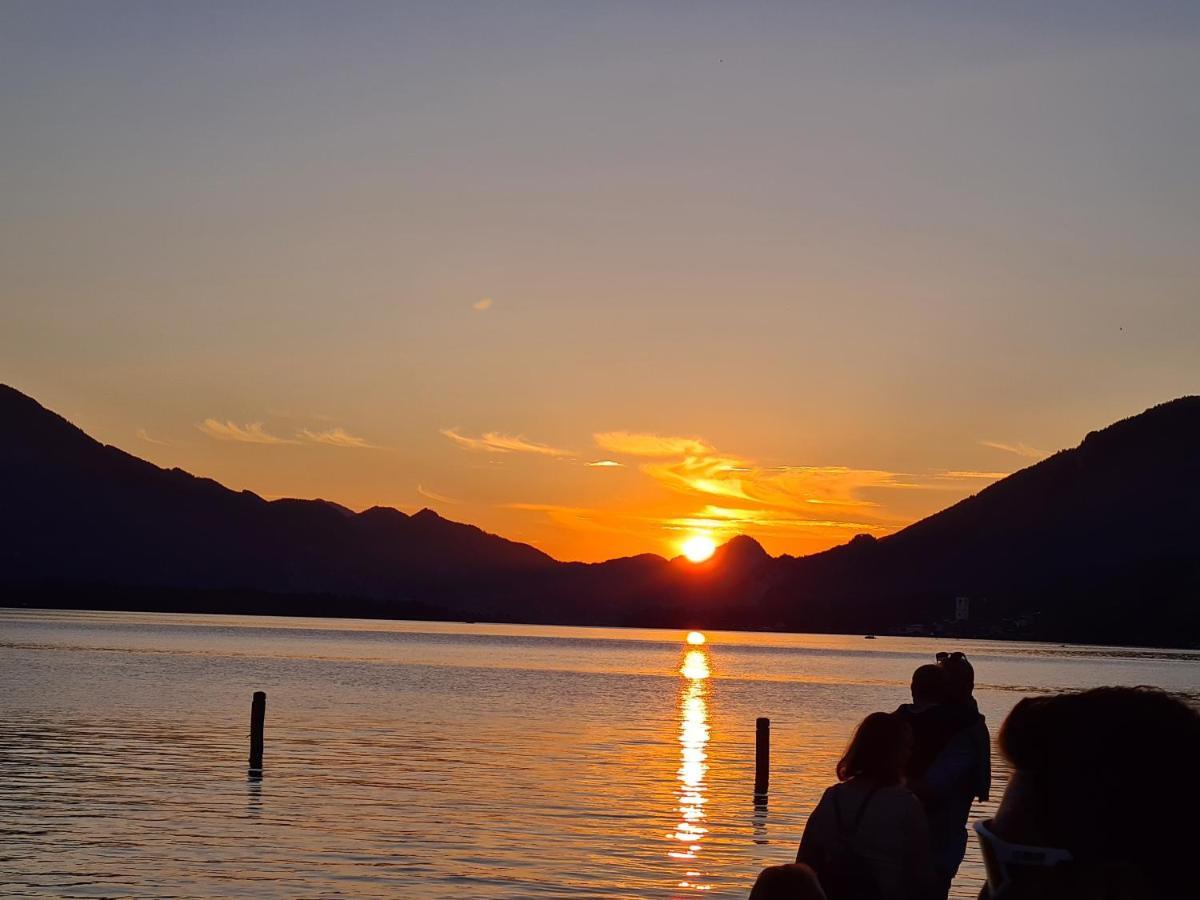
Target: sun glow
(695,638)
(698,547)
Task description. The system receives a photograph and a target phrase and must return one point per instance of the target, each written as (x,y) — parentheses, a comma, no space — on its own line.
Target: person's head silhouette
(879,750)
(929,685)
(960,675)
(795,881)
(1102,799)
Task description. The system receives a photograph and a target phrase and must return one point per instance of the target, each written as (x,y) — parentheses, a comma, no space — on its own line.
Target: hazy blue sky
(871,241)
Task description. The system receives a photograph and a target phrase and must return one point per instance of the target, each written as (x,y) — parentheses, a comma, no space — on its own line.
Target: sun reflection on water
(693,766)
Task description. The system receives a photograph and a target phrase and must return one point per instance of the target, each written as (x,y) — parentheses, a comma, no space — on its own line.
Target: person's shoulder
(845,792)
(829,794)
(960,716)
(825,809)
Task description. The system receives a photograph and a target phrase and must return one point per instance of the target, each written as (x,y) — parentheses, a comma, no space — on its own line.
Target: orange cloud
(797,509)
(495,442)
(251,433)
(1019,449)
(794,488)
(143,435)
(718,518)
(336,437)
(433,495)
(641,444)
(739,494)
(689,485)
(713,475)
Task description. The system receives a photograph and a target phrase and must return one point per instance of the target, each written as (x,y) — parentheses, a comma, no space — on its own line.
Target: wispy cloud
(722,522)
(793,490)
(435,496)
(336,437)
(804,508)
(251,433)
(548,507)
(606,464)
(733,493)
(719,518)
(141,433)
(1023,450)
(495,442)
(656,445)
(729,494)
(482,304)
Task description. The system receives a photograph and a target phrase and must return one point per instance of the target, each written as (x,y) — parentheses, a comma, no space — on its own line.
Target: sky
(601,276)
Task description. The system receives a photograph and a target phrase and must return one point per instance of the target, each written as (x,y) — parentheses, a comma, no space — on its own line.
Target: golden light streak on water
(695,665)
(376,729)
(693,767)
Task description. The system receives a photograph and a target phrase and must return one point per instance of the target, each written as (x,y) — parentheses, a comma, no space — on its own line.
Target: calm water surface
(436,760)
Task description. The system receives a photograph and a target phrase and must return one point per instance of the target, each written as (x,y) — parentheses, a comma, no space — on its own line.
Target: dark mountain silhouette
(1097,543)
(1094,543)
(78,512)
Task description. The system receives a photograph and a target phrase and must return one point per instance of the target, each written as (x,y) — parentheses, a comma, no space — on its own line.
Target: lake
(424,759)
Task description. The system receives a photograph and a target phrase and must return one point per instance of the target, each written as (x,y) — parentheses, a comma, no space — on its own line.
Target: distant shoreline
(110,598)
(1045,554)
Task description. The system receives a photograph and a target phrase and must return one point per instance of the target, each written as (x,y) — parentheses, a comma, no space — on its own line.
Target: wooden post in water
(762,756)
(258,715)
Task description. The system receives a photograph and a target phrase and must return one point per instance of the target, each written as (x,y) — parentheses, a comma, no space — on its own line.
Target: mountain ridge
(1086,544)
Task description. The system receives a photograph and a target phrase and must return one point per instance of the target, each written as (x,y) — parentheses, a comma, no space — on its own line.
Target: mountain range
(1095,544)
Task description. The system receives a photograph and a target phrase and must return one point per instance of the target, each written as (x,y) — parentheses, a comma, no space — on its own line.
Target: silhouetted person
(960,681)
(794,881)
(1102,800)
(933,720)
(951,760)
(867,838)
(960,676)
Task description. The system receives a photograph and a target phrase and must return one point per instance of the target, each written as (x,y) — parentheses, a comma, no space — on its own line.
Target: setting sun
(571,372)
(699,547)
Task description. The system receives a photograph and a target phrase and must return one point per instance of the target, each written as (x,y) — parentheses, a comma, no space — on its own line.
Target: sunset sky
(598,276)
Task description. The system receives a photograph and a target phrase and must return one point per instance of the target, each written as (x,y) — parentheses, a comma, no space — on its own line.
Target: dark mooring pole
(258,715)
(762,757)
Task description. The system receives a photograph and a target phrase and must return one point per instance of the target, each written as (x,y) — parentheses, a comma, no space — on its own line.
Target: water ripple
(503,762)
